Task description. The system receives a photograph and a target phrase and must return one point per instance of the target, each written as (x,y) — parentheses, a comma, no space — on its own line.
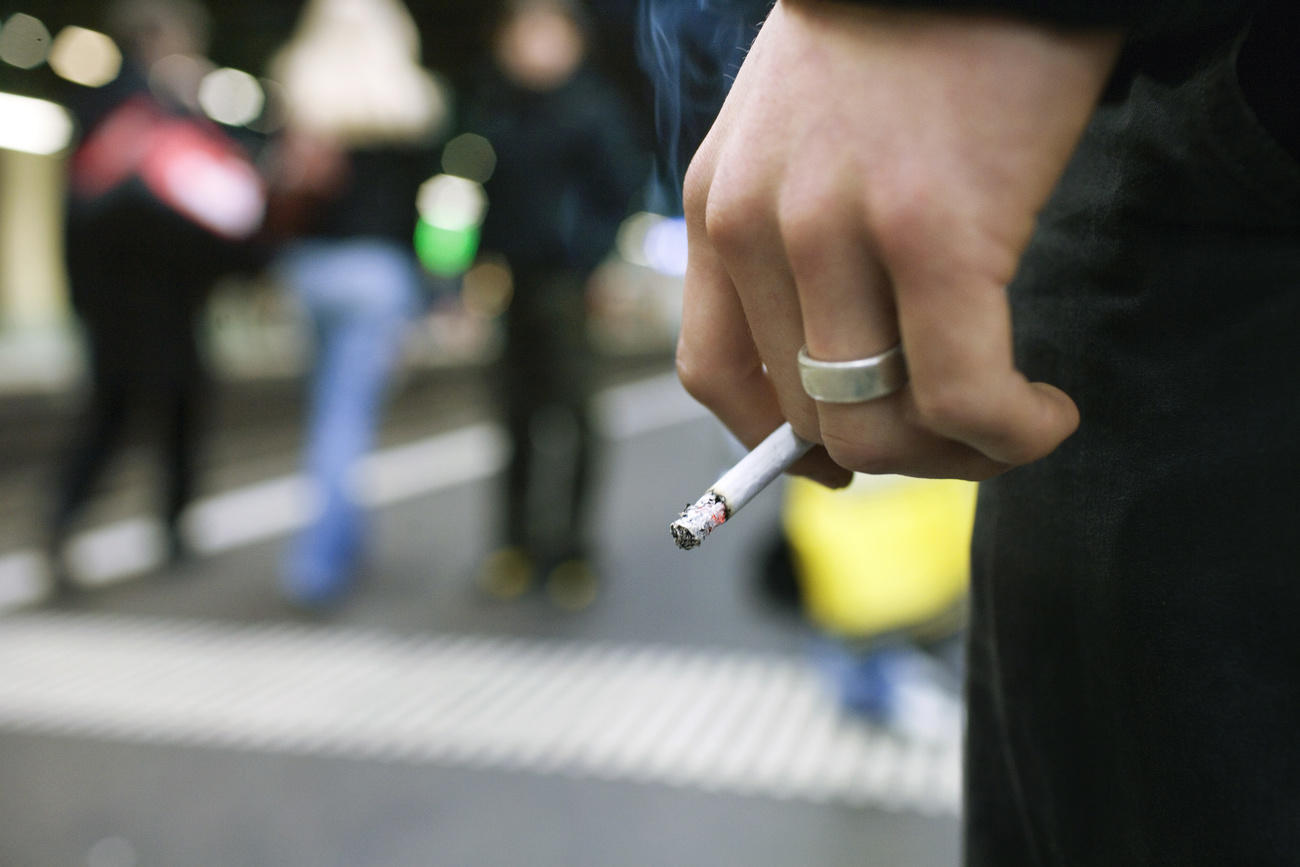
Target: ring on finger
(855,381)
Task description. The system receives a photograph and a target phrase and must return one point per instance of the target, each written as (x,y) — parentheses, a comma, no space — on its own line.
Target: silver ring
(855,381)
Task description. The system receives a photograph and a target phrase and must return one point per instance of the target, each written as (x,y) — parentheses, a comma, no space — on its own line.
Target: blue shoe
(320,568)
(900,688)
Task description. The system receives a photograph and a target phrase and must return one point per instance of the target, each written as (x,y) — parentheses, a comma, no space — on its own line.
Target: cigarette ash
(698,521)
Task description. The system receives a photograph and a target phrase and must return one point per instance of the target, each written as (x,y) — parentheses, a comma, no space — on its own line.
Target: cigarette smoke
(691,51)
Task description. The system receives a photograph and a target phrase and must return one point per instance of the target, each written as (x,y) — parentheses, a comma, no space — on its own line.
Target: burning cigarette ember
(698,521)
(738,486)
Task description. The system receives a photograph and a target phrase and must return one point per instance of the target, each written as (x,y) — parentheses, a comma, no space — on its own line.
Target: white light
(450,202)
(34,126)
(25,42)
(665,247)
(85,57)
(632,234)
(231,96)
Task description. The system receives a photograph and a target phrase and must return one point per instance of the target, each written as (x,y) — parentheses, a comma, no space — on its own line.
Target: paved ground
(187,717)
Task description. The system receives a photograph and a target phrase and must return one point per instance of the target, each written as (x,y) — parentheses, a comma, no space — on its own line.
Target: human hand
(874,176)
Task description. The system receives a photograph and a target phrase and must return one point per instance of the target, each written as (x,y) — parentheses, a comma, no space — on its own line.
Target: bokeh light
(447,234)
(469,156)
(487,289)
(34,126)
(445,252)
(631,237)
(665,246)
(231,96)
(451,202)
(85,57)
(177,78)
(654,241)
(24,41)
(272,118)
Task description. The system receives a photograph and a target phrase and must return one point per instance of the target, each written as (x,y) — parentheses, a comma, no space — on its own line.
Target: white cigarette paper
(738,485)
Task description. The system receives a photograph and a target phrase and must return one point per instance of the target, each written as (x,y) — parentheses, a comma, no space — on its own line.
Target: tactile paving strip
(740,723)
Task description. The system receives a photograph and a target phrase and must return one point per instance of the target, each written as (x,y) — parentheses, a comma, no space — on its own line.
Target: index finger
(717,360)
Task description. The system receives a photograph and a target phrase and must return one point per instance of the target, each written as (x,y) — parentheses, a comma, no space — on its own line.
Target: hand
(874,176)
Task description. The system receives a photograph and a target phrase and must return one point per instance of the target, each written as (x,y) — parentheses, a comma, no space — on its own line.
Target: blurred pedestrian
(567,167)
(144,245)
(363,118)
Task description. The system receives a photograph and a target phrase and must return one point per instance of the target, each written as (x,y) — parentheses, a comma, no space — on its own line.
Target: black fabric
(377,198)
(567,167)
(1170,39)
(1134,687)
(546,386)
(1270,73)
(139,277)
(1144,19)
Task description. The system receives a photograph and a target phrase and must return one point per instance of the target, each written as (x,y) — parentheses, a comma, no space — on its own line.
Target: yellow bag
(887,554)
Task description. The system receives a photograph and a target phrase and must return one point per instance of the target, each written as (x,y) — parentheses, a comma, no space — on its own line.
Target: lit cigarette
(738,485)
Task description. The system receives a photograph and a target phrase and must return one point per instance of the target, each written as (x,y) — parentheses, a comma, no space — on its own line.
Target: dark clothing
(1135,669)
(139,278)
(565,173)
(1157,20)
(376,198)
(545,386)
(1170,39)
(139,275)
(566,170)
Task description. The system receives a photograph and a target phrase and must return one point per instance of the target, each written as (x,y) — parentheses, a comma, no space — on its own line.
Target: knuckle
(690,374)
(901,211)
(948,408)
(804,423)
(961,413)
(695,188)
(729,218)
(859,455)
(707,380)
(805,227)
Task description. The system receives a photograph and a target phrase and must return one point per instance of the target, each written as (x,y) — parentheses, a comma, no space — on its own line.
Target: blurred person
(881,570)
(362,120)
(143,247)
(566,169)
(1122,179)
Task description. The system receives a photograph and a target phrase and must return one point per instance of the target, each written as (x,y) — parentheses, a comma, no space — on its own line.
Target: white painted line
(23,577)
(645,406)
(248,515)
(739,723)
(434,464)
(112,552)
(280,506)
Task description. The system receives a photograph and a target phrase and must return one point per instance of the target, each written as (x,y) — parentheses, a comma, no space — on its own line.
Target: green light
(445,252)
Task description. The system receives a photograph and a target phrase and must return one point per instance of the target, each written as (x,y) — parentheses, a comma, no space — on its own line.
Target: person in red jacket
(1081,222)
(143,249)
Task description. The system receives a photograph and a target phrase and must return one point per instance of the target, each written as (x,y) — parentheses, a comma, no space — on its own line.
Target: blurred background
(339,437)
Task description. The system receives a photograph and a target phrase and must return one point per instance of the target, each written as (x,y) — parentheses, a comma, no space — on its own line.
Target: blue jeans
(359,296)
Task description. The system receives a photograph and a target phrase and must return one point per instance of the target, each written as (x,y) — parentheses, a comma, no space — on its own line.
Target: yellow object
(888,553)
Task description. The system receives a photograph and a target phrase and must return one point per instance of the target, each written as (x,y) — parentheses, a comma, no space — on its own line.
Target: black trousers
(545,380)
(1134,686)
(139,277)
